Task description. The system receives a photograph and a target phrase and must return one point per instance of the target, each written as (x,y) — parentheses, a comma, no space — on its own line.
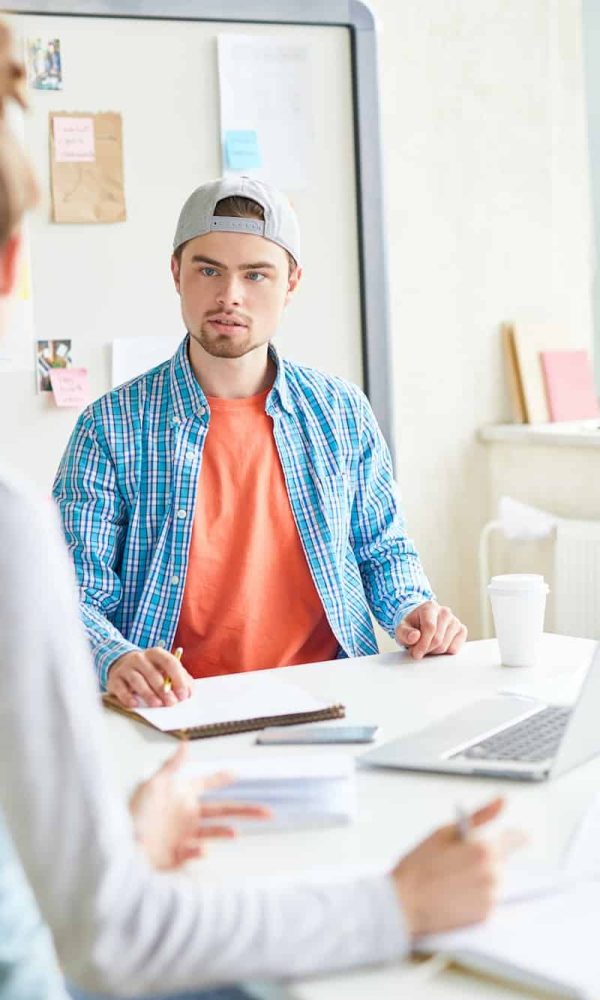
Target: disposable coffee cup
(518,604)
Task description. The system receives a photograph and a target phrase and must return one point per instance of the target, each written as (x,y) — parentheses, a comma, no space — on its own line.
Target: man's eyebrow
(201,259)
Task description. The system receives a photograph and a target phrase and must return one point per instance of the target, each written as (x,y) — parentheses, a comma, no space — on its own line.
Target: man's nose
(230,292)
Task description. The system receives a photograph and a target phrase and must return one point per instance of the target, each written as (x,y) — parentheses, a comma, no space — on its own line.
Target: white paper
(549,941)
(267,768)
(300,791)
(265,87)
(231,699)
(132,356)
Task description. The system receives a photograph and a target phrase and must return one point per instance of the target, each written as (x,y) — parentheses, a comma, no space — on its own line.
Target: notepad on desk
(547,943)
(310,790)
(234,703)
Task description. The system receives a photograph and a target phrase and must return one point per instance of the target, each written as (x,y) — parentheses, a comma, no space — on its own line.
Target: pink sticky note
(70,386)
(74,140)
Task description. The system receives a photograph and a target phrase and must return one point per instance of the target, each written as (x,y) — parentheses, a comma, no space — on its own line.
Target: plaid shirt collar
(188,399)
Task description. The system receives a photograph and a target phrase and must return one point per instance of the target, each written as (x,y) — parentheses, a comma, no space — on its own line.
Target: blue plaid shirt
(126,489)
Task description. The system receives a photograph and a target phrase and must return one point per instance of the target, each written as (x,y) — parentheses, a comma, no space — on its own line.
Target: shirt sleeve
(118,925)
(393,577)
(94,519)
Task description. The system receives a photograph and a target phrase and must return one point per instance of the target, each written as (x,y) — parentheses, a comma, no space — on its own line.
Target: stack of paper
(300,791)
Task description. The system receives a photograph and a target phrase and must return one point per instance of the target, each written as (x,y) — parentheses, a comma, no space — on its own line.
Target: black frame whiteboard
(359,20)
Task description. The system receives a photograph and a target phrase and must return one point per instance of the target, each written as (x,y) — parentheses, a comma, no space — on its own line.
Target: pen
(168,683)
(463,822)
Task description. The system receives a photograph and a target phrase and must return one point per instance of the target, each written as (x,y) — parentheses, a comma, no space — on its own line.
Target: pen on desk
(168,683)
(463,822)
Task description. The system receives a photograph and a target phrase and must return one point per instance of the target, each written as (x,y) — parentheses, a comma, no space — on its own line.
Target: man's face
(233,289)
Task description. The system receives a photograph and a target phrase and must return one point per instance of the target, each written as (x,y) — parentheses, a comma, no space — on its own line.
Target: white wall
(488,219)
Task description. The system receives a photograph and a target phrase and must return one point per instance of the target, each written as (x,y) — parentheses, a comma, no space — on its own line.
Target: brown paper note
(86,167)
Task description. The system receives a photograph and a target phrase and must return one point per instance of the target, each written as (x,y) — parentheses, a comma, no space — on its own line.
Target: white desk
(395,809)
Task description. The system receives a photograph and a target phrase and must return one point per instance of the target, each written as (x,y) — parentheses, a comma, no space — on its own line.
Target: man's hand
(431,628)
(141,675)
(168,814)
(448,881)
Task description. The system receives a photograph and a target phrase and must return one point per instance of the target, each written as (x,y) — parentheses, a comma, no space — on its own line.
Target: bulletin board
(155,65)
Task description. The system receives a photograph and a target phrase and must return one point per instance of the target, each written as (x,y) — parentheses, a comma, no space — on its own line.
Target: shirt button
(190,456)
(176,420)
(181,513)
(174,580)
(161,644)
(201,410)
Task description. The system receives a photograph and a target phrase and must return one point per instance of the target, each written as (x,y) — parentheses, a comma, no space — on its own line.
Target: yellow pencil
(168,683)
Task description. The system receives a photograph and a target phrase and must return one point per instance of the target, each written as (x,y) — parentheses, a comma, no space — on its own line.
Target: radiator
(577,578)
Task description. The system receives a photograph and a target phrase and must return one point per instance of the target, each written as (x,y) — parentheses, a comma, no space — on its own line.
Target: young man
(230,502)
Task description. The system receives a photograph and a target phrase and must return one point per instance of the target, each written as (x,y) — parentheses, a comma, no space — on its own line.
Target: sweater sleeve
(120,927)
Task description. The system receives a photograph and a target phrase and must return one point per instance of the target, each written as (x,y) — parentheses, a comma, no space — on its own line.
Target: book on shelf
(570,389)
(526,341)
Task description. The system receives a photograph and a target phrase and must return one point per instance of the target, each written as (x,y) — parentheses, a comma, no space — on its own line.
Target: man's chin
(225,347)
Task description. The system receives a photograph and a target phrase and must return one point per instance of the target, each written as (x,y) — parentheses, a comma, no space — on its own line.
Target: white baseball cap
(280,223)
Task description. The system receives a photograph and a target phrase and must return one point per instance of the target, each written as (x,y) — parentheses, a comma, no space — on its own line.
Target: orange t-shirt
(249,600)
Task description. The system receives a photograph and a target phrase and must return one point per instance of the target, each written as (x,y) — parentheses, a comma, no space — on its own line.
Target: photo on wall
(44,64)
(51,354)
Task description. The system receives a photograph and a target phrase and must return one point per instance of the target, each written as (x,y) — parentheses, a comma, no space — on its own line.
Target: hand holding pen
(150,677)
(456,871)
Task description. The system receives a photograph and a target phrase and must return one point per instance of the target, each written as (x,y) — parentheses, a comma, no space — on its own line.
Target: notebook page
(231,699)
(552,940)
(287,767)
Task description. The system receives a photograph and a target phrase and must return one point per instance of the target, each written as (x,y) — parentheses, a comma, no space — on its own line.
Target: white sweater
(118,925)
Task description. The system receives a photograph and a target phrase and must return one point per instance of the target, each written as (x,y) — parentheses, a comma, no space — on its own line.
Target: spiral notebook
(235,703)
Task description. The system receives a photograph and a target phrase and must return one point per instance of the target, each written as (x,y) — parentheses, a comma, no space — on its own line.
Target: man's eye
(255,276)
(208,272)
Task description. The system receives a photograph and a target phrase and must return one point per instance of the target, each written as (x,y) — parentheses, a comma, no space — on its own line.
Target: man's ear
(175,270)
(293,282)
(9,262)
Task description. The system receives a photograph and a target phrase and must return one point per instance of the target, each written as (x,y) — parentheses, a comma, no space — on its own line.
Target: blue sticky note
(242,150)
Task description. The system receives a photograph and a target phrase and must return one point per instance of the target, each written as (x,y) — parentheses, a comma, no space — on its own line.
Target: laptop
(504,736)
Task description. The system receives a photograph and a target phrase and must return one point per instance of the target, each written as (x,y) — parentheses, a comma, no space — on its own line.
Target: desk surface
(395,809)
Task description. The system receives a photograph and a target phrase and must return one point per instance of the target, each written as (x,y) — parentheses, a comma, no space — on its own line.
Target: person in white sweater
(119,926)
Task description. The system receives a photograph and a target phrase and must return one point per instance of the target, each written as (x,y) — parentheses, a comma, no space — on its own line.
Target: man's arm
(94,519)
(395,583)
(393,577)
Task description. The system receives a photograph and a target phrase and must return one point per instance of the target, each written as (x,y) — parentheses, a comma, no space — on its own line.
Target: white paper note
(265,90)
(231,699)
(548,941)
(300,791)
(132,356)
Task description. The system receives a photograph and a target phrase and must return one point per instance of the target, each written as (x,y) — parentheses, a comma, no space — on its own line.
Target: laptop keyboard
(532,739)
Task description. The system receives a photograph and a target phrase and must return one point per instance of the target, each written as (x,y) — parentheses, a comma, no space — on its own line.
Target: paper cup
(518,604)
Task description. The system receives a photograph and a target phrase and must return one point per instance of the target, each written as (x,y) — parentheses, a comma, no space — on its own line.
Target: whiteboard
(95,283)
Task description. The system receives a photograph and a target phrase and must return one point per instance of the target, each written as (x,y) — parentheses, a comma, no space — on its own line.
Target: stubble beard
(219,345)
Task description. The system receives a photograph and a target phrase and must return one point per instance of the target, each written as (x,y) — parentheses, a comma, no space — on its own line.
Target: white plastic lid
(509,582)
